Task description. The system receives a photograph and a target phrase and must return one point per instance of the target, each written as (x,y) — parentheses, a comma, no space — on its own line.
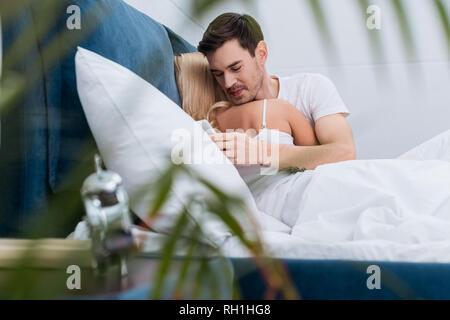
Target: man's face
(237,72)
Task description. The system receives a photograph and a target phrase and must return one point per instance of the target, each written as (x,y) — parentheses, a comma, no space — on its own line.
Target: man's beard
(252,94)
(241,99)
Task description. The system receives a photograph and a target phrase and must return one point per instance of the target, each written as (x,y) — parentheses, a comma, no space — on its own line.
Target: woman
(401,200)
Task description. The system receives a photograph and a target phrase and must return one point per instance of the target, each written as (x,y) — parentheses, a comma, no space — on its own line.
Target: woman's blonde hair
(201,96)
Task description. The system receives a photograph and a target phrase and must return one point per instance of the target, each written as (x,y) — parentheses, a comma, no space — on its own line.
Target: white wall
(396,104)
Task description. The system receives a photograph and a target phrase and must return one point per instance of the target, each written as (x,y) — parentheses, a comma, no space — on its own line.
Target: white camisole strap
(264,114)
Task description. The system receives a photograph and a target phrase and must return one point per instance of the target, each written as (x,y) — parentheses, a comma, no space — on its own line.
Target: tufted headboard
(44,133)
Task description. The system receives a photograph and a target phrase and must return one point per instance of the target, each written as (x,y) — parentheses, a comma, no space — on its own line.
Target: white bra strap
(264,114)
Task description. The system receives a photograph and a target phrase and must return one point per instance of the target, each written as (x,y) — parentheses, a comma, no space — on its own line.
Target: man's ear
(261,52)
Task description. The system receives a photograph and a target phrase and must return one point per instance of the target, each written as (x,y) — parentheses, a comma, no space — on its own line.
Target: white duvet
(392,210)
(384,210)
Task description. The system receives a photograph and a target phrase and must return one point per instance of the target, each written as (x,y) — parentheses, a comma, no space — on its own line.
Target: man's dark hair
(229,26)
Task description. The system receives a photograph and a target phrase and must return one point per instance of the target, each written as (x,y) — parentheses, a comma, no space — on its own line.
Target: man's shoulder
(303,76)
(308,84)
(303,84)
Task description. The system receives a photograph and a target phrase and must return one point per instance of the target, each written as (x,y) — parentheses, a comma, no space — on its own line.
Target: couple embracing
(227,83)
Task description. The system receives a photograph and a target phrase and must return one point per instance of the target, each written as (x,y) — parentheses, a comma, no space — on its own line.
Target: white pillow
(133,124)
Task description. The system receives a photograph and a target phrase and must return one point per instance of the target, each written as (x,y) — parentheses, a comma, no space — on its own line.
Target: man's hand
(243,150)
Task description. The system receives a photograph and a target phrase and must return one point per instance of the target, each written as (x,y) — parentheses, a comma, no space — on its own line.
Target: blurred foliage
(321,14)
(221,205)
(52,50)
(200,7)
(24,282)
(400,10)
(373,36)
(444,18)
(317,9)
(14,86)
(64,207)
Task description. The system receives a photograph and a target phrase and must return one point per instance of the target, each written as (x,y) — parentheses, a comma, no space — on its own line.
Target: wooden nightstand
(45,271)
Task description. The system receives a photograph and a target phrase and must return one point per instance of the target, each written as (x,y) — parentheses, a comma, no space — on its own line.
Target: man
(235,48)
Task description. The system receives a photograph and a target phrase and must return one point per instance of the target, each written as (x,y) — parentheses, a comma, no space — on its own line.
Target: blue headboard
(44,134)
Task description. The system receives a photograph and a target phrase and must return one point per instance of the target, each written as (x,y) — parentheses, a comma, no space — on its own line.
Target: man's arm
(336,144)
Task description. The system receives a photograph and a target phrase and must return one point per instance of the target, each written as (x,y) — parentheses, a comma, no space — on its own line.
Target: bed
(48,129)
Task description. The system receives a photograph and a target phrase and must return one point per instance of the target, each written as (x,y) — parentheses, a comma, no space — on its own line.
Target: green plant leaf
(10,9)
(318,11)
(13,87)
(200,7)
(168,255)
(373,35)
(163,187)
(200,277)
(193,244)
(37,28)
(444,18)
(405,28)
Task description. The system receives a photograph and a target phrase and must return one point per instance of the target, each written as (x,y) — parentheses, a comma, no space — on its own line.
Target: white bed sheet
(282,245)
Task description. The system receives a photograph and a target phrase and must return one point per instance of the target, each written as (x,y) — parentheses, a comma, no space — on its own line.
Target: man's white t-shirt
(313,94)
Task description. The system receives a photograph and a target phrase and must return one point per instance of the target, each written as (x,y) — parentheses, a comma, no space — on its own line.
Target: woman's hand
(243,150)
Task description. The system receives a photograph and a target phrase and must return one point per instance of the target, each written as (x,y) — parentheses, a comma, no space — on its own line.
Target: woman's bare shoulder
(282,106)
(222,117)
(281,103)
